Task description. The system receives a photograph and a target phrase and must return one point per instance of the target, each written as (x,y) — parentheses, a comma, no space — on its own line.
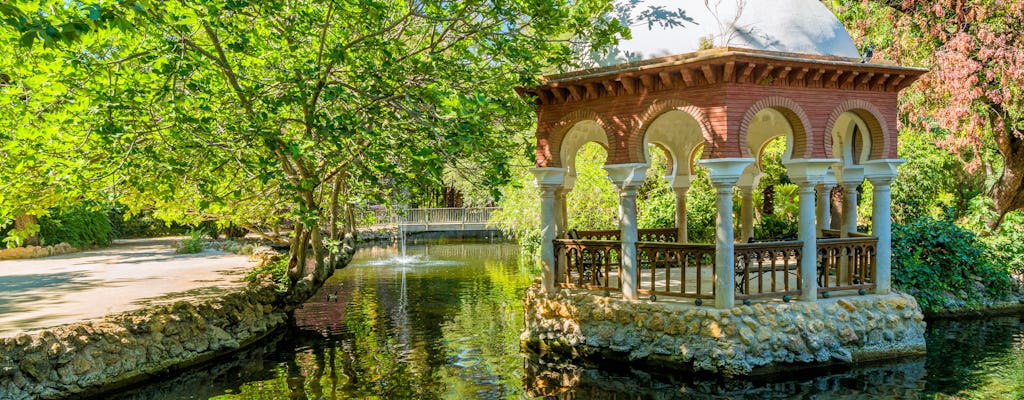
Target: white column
(627,178)
(549,180)
(725,172)
(561,228)
(725,257)
(561,219)
(881,174)
(807,173)
(849,208)
(824,205)
(806,234)
(547,236)
(682,236)
(746,213)
(747,183)
(680,185)
(850,176)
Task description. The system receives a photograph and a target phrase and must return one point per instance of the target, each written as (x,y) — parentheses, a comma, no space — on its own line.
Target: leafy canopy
(250,112)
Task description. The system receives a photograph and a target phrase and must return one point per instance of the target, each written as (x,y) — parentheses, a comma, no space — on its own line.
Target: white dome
(792,26)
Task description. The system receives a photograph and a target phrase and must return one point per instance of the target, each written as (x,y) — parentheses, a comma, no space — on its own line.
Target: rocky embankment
(92,356)
(36,251)
(761,337)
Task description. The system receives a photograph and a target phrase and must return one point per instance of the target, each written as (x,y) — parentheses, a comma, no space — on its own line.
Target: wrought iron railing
(768,269)
(665,235)
(676,269)
(588,264)
(846,263)
(762,270)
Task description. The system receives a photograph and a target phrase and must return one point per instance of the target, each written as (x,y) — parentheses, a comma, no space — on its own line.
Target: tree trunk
(836,209)
(1008,192)
(310,249)
(22,222)
(768,205)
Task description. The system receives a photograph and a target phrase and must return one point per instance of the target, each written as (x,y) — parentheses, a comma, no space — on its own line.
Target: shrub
(80,225)
(1006,246)
(519,215)
(142,225)
(774,226)
(277,271)
(192,244)
(944,265)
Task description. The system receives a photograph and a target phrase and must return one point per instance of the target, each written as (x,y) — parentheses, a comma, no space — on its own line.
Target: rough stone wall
(764,335)
(90,356)
(36,251)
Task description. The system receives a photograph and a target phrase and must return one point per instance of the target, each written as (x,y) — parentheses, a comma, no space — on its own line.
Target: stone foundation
(762,337)
(91,356)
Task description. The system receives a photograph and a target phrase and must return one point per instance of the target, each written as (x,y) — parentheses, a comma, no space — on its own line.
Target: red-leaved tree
(974,90)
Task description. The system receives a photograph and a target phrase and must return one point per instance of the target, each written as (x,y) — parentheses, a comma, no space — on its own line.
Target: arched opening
(700,202)
(591,201)
(670,142)
(768,199)
(851,139)
(580,134)
(655,202)
(776,198)
(853,145)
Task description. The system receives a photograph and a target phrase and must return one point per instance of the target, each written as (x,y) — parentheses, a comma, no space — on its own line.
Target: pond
(444,320)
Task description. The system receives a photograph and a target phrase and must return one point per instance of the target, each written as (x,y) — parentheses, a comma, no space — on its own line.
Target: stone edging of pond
(997,308)
(745,340)
(95,356)
(18,253)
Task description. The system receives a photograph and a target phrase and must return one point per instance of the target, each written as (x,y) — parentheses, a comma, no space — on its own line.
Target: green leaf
(94,12)
(27,39)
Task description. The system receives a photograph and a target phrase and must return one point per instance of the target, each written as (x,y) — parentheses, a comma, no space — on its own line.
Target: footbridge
(432,219)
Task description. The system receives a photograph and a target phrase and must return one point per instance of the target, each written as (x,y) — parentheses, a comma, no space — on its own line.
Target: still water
(443,321)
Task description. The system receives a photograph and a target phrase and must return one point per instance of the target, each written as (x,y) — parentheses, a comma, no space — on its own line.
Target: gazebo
(783,69)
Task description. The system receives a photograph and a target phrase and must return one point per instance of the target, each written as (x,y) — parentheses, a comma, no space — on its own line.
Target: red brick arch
(655,110)
(558,131)
(872,117)
(793,113)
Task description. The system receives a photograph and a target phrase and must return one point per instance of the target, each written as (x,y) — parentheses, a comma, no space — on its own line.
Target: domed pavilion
(726,78)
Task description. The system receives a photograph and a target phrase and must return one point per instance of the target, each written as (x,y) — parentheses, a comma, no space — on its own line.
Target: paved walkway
(45,292)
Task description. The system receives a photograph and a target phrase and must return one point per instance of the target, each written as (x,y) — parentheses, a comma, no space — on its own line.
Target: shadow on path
(22,289)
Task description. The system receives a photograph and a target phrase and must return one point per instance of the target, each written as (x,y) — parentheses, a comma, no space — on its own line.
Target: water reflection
(446,324)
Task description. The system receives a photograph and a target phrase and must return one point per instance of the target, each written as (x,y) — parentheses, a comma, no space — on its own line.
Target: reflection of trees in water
(453,331)
(572,380)
(980,359)
(413,333)
(976,356)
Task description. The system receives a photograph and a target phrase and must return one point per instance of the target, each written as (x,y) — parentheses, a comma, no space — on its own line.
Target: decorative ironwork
(588,264)
(846,263)
(768,269)
(676,269)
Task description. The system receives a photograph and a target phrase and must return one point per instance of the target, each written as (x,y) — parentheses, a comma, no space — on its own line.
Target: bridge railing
(425,216)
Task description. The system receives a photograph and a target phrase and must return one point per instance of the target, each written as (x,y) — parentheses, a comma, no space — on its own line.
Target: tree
(974,51)
(250,112)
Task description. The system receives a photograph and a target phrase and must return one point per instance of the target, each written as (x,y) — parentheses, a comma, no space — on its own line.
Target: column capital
(882,172)
(849,175)
(829,181)
(749,180)
(549,179)
(725,171)
(627,177)
(679,182)
(808,171)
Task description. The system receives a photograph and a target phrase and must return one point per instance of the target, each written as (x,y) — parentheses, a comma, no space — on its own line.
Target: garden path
(130,274)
